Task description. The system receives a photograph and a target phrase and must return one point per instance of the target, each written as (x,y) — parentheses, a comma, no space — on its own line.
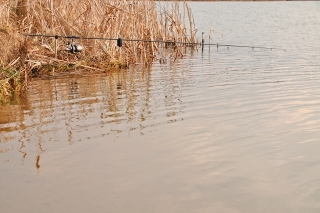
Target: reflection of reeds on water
(142,20)
(69,110)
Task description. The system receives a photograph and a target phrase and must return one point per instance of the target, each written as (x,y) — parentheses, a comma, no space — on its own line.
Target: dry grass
(10,83)
(136,19)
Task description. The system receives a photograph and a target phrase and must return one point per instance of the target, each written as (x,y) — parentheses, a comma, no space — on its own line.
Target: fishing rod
(113,39)
(75,48)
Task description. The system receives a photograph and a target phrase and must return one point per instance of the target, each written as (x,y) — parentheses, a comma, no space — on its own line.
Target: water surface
(223,130)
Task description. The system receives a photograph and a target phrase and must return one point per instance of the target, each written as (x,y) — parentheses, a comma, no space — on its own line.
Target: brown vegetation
(136,19)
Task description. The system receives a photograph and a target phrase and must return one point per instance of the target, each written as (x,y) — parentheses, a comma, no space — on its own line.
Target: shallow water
(223,130)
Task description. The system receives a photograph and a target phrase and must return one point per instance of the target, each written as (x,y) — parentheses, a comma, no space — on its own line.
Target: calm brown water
(220,131)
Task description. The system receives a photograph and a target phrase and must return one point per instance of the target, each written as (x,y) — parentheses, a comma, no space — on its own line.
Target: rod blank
(120,41)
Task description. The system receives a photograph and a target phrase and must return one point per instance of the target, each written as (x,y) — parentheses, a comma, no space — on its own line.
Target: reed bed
(137,19)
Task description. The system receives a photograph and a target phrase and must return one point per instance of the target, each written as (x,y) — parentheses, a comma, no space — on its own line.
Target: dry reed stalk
(10,83)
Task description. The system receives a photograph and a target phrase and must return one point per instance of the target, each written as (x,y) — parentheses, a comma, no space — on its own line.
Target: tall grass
(135,19)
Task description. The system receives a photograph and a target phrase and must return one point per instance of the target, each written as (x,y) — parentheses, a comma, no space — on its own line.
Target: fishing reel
(72,47)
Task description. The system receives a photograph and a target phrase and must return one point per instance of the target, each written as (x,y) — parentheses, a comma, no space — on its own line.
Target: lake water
(224,130)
